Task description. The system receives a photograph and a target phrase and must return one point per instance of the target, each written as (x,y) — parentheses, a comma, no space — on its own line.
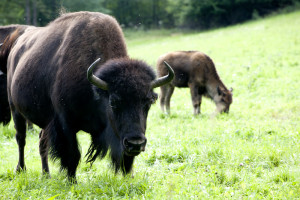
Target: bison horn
(94,79)
(1,44)
(165,79)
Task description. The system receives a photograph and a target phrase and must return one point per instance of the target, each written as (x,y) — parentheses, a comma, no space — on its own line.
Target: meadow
(251,153)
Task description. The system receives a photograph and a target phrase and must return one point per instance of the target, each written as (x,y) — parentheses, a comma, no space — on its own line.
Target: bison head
(223,99)
(128,86)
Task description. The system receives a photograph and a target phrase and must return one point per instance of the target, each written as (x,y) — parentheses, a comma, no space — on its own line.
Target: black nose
(226,111)
(134,145)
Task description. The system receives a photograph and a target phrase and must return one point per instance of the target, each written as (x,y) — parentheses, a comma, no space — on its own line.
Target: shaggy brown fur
(7,30)
(197,71)
(47,84)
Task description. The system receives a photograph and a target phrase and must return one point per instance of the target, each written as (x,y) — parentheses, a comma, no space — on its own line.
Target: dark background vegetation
(145,14)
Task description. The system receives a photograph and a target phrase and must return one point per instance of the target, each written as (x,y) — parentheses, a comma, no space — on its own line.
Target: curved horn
(165,79)
(94,79)
(1,44)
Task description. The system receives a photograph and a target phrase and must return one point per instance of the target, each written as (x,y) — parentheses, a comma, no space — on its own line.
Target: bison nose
(134,145)
(226,110)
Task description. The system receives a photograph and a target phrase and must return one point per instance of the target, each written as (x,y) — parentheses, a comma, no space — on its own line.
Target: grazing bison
(49,83)
(197,71)
(5,115)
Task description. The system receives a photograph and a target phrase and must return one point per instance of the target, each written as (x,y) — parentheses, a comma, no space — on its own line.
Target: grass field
(251,153)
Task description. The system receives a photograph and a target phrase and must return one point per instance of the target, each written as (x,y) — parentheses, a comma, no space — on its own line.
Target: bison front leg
(196,98)
(64,146)
(43,148)
(20,126)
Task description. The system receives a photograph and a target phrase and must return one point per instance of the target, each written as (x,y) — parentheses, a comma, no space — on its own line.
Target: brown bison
(197,71)
(49,83)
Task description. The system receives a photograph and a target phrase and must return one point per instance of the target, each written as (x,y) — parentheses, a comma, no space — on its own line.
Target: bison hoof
(46,175)
(20,169)
(72,180)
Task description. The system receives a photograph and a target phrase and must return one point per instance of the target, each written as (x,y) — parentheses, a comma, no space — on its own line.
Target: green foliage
(211,13)
(138,13)
(147,14)
(7,131)
(250,153)
(12,11)
(79,5)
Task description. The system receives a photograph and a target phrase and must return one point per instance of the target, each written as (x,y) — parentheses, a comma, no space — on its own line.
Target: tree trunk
(27,12)
(34,18)
(154,13)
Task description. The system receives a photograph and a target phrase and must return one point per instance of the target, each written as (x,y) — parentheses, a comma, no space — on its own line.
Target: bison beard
(100,148)
(47,84)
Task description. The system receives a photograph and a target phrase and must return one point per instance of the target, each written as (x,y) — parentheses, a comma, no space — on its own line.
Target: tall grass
(251,153)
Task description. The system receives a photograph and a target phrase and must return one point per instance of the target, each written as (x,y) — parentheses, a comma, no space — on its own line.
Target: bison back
(47,66)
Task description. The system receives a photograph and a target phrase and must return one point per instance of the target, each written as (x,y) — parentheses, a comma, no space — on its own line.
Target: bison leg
(196,98)
(163,91)
(169,93)
(64,146)
(20,126)
(43,147)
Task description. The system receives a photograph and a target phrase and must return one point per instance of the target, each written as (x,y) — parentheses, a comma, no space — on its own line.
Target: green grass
(251,153)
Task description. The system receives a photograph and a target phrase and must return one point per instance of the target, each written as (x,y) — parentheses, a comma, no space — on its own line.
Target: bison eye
(155,96)
(152,98)
(115,101)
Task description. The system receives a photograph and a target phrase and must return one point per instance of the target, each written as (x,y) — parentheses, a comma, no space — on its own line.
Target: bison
(49,83)
(197,71)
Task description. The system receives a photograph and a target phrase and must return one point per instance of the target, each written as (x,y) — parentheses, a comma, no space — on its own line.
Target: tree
(87,5)
(145,14)
(11,12)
